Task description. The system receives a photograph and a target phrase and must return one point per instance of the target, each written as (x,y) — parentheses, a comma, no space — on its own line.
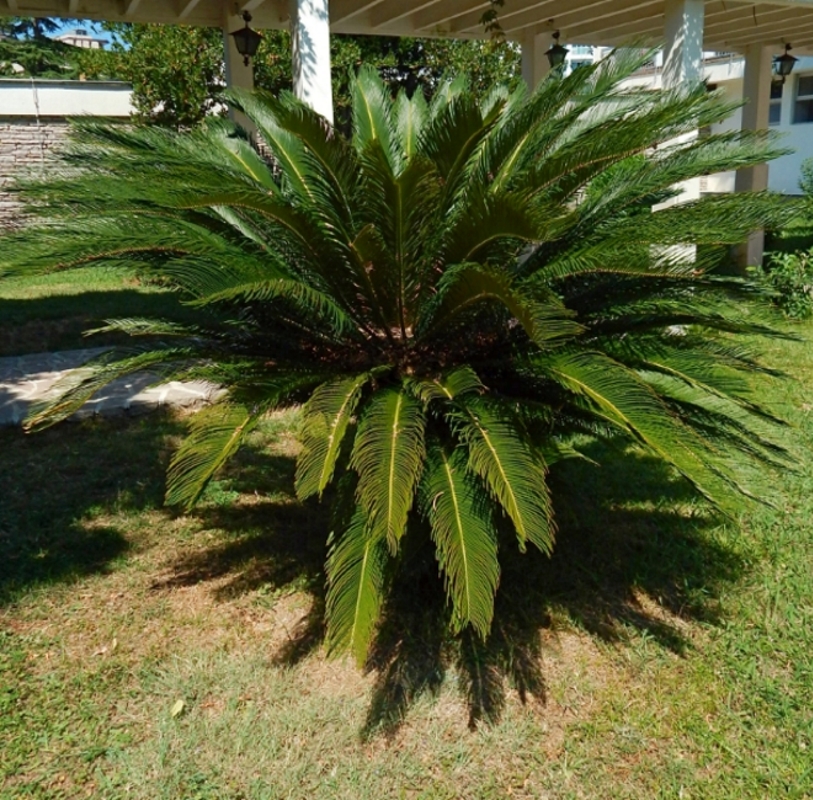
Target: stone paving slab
(27,379)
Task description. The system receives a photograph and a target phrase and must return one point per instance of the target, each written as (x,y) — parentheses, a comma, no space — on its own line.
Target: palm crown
(453,292)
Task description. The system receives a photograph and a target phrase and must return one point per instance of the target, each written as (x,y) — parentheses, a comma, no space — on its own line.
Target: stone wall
(33,123)
(26,144)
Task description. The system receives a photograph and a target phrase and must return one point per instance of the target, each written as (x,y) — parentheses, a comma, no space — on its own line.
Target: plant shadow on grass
(55,482)
(275,544)
(58,322)
(626,528)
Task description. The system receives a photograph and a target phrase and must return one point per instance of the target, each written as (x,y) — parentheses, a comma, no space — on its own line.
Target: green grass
(662,652)
(51,312)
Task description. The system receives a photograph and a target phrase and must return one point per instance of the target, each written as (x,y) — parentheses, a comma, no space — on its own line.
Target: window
(775,108)
(803,108)
(582,50)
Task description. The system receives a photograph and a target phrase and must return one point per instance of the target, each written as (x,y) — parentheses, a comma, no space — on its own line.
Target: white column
(310,44)
(755,117)
(683,54)
(535,65)
(238,75)
(683,66)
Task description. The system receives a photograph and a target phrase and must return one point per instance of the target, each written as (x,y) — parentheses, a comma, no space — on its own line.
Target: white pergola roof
(730,25)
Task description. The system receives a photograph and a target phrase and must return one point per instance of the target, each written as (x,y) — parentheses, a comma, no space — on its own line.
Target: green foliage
(23,42)
(28,27)
(454,291)
(806,180)
(177,72)
(789,277)
(39,58)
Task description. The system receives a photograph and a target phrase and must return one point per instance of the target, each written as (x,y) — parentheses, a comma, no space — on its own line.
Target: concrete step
(27,379)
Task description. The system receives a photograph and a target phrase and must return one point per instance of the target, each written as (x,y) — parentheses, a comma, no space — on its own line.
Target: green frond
(723,420)
(388,455)
(460,380)
(139,326)
(287,149)
(467,285)
(239,150)
(216,434)
(37,250)
(482,221)
(447,93)
(325,419)
(451,139)
(713,219)
(79,385)
(321,307)
(356,572)
(411,115)
(372,117)
(376,277)
(257,382)
(621,398)
(710,374)
(393,249)
(333,167)
(458,511)
(499,452)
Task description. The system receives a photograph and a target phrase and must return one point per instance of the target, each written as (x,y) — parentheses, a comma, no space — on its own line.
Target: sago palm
(453,293)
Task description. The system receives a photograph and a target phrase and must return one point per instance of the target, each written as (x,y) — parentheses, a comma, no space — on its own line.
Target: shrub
(453,292)
(789,277)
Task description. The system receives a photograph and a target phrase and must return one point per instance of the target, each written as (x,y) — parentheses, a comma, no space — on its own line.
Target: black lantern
(556,54)
(246,40)
(783,65)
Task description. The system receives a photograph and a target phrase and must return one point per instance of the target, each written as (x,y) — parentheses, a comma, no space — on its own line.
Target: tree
(23,42)
(28,27)
(454,292)
(39,58)
(178,79)
(176,72)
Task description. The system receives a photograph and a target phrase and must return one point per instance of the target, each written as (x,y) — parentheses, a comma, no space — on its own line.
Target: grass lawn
(662,653)
(51,312)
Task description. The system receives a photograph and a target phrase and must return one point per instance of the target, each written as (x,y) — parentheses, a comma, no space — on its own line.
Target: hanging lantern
(556,55)
(246,40)
(783,65)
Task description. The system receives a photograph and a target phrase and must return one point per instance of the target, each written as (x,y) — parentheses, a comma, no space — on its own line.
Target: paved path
(26,379)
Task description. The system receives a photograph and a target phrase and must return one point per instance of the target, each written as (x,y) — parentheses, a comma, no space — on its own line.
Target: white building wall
(784,172)
(23,97)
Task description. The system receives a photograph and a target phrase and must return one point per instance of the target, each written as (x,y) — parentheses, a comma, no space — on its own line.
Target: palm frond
(388,456)
(624,400)
(79,385)
(216,434)
(468,285)
(464,535)
(356,573)
(411,115)
(372,118)
(287,149)
(326,417)
(460,380)
(501,455)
